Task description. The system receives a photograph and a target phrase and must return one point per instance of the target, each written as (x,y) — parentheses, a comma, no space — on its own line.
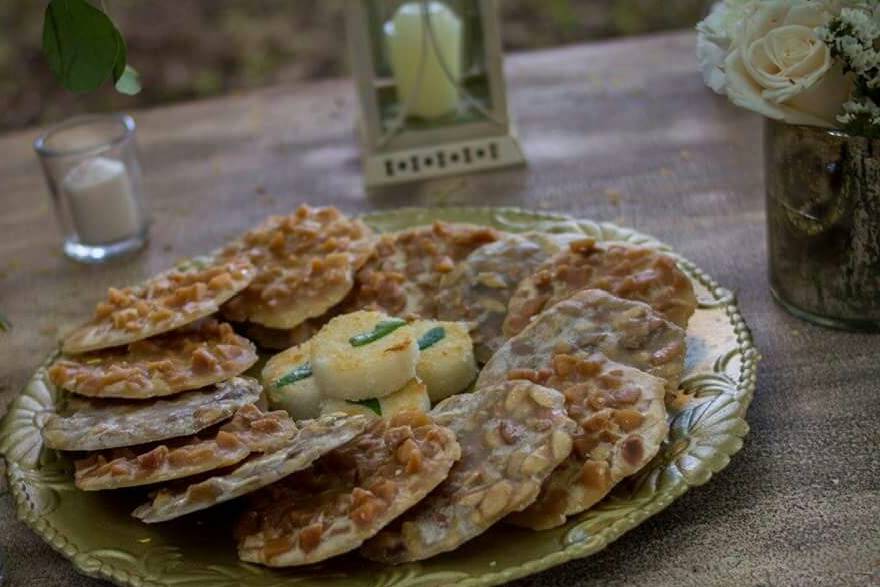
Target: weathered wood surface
(623,132)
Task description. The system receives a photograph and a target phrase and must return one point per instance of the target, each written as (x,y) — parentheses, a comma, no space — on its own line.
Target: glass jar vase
(823,224)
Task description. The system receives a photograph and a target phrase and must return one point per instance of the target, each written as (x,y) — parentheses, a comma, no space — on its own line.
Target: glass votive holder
(94,178)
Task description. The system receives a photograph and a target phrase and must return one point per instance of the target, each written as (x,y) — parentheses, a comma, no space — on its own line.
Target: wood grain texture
(622,131)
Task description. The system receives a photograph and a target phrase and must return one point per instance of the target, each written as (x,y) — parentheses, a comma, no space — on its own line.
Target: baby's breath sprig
(854,41)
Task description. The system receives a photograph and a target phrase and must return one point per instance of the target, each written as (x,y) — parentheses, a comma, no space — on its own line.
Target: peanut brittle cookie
(625,331)
(403,275)
(512,435)
(305,265)
(349,495)
(165,302)
(313,439)
(626,271)
(249,431)
(480,287)
(99,424)
(195,356)
(622,422)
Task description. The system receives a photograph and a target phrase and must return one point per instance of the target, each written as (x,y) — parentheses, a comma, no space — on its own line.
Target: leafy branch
(85,49)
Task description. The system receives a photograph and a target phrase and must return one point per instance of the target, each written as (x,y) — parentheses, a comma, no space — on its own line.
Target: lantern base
(452,158)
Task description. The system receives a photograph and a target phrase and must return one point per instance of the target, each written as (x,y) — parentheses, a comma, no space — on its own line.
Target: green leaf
(371,403)
(304,371)
(432,337)
(121,56)
(82,45)
(383,328)
(5,325)
(126,79)
(129,83)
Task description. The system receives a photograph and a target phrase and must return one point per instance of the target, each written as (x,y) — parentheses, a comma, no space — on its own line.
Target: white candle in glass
(428,89)
(102,201)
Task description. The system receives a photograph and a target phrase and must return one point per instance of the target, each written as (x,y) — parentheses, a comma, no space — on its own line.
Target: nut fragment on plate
(249,431)
(480,287)
(512,435)
(624,270)
(349,495)
(195,356)
(622,422)
(402,277)
(313,439)
(625,331)
(305,265)
(96,424)
(165,302)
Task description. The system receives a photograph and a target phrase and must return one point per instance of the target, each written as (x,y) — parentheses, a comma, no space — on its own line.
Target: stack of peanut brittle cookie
(156,392)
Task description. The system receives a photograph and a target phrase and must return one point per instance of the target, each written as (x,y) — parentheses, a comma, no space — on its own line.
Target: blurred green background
(186,49)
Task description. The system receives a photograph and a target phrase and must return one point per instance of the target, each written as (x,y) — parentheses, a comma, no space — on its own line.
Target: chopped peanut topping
(633,450)
(535,376)
(203,361)
(310,537)
(594,475)
(628,420)
(306,258)
(511,443)
(192,357)
(227,440)
(615,406)
(403,275)
(168,301)
(584,245)
(247,432)
(348,494)
(627,271)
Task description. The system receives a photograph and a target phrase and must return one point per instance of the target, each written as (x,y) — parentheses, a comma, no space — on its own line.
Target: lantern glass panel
(474,95)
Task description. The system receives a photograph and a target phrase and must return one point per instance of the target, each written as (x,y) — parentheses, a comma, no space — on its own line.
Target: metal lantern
(431,88)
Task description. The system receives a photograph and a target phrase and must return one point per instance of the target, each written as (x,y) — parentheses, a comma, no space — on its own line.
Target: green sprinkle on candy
(432,337)
(383,328)
(304,371)
(371,403)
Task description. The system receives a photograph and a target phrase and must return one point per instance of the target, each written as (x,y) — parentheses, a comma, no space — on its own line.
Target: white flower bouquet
(811,62)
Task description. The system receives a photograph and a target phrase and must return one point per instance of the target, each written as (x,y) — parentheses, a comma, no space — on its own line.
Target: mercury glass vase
(823,224)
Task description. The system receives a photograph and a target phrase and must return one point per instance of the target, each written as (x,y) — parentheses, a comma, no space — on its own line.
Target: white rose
(714,37)
(779,67)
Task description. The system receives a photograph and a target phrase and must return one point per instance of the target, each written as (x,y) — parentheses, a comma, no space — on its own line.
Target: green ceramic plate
(95,531)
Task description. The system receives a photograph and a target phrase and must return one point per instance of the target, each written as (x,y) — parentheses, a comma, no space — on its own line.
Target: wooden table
(621,131)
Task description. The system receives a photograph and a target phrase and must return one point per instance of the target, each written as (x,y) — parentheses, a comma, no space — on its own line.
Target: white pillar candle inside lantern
(102,201)
(444,109)
(426,62)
